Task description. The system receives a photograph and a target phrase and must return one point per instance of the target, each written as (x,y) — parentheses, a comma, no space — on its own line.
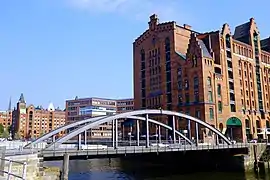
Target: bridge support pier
(85,137)
(147,130)
(138,132)
(64,175)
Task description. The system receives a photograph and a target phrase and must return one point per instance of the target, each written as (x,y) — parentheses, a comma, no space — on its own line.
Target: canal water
(115,169)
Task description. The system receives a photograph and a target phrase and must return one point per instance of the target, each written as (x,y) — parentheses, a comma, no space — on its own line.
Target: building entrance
(234,129)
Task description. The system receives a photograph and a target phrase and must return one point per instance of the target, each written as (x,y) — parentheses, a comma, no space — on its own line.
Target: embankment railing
(9,173)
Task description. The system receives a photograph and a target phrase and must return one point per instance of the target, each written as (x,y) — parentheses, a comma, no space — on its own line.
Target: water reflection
(103,169)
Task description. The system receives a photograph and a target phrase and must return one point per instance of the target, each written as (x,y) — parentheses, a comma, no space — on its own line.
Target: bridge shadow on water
(191,165)
(179,165)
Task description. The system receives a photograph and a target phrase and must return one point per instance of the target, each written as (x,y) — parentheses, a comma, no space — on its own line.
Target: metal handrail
(130,149)
(9,171)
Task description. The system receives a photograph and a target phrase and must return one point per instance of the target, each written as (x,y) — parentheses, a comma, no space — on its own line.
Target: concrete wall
(250,159)
(35,169)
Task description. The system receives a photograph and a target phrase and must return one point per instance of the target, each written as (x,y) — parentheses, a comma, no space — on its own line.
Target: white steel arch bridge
(82,126)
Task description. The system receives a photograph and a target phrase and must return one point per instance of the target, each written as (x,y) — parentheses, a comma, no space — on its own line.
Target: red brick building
(6,118)
(220,77)
(32,122)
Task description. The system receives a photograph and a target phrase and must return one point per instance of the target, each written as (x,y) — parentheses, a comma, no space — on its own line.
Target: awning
(233,121)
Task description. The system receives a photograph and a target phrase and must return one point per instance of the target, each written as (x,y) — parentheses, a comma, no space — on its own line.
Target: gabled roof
(265,42)
(204,49)
(242,30)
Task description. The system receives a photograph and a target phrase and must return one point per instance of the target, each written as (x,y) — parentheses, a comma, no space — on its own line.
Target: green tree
(17,136)
(5,134)
(42,133)
(2,129)
(9,128)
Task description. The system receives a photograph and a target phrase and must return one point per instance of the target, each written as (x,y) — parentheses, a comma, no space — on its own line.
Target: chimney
(186,26)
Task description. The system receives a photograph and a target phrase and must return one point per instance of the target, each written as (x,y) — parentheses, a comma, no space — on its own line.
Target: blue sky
(53,50)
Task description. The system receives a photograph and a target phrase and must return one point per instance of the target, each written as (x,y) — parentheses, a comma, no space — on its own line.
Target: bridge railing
(9,173)
(104,150)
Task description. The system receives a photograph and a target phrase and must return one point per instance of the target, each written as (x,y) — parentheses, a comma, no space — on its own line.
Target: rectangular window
(179,72)
(180,99)
(169,107)
(142,65)
(233,108)
(187,97)
(168,66)
(143,74)
(168,76)
(196,96)
(197,113)
(219,106)
(168,86)
(169,98)
(210,96)
(209,81)
(219,90)
(186,84)
(179,85)
(196,83)
(211,113)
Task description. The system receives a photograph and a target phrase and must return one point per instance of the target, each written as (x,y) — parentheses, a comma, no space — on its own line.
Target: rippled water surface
(103,169)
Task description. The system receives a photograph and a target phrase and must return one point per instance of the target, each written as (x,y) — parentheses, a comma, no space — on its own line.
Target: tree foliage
(2,128)
(9,129)
(4,134)
(17,136)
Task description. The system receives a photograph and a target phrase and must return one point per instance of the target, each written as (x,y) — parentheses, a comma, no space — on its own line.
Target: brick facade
(219,77)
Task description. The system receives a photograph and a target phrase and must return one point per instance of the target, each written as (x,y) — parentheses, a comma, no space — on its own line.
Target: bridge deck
(120,151)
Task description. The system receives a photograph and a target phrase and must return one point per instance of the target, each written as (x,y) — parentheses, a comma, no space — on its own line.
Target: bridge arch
(56,144)
(62,128)
(136,113)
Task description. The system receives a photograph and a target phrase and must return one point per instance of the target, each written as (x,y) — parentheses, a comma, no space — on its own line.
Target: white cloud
(139,9)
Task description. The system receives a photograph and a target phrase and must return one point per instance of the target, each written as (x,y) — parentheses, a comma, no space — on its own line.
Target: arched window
(247,123)
(196,82)
(220,127)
